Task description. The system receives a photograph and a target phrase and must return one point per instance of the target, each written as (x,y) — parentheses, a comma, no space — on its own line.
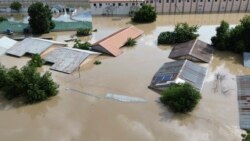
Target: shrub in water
(83,46)
(83,31)
(130,42)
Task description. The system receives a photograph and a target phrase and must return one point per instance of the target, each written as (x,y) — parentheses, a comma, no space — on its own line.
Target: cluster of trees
(235,39)
(83,46)
(182,33)
(180,98)
(26,83)
(146,14)
(83,31)
(40,19)
(130,42)
(246,137)
(16,6)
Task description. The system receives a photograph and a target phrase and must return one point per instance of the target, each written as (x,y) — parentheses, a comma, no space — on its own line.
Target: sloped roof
(5,44)
(32,46)
(66,60)
(243,88)
(115,41)
(246,57)
(195,48)
(182,71)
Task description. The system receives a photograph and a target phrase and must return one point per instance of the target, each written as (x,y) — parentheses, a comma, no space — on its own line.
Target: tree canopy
(27,83)
(16,6)
(40,18)
(146,14)
(182,33)
(181,98)
(233,39)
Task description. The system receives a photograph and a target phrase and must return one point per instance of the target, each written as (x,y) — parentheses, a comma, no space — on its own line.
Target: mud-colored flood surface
(81,113)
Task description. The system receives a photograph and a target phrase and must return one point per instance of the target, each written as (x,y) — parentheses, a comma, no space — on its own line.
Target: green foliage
(97,62)
(247,136)
(83,31)
(27,83)
(181,98)
(16,5)
(83,46)
(130,42)
(234,39)
(40,18)
(36,61)
(146,14)
(3,19)
(95,30)
(182,33)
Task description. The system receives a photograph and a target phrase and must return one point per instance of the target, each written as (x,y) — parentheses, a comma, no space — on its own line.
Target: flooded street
(74,116)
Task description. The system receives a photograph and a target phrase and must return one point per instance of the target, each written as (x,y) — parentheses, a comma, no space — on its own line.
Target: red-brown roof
(115,41)
(91,1)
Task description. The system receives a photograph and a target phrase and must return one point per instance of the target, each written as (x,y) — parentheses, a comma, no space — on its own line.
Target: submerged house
(179,72)
(111,45)
(194,50)
(246,57)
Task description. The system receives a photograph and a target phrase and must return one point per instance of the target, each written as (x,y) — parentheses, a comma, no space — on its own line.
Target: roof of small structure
(243,88)
(6,43)
(92,1)
(66,60)
(246,57)
(115,41)
(183,71)
(194,48)
(32,46)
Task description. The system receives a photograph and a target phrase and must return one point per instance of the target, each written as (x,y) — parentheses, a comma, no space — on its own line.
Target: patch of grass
(97,62)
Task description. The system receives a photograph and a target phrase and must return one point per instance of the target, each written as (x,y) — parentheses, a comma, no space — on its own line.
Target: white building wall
(215,6)
(187,6)
(208,6)
(158,6)
(229,5)
(222,6)
(166,6)
(200,6)
(243,5)
(194,6)
(236,5)
(248,5)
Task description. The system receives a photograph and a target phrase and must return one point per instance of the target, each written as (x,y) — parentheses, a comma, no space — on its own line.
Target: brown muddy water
(73,116)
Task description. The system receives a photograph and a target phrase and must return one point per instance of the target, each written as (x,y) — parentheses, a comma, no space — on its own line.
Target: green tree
(40,18)
(146,14)
(130,42)
(83,46)
(182,33)
(83,31)
(222,35)
(36,61)
(16,6)
(181,98)
(3,19)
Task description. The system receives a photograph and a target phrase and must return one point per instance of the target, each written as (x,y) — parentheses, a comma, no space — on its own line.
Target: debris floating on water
(123,98)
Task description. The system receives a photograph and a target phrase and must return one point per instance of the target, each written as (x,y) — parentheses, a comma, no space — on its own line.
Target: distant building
(123,7)
(114,7)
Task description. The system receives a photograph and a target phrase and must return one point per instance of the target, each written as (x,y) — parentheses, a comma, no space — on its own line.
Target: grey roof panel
(66,60)
(243,88)
(246,57)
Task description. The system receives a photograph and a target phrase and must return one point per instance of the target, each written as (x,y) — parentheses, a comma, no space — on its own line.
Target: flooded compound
(72,116)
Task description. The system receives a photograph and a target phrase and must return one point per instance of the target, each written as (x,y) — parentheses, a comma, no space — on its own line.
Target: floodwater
(76,116)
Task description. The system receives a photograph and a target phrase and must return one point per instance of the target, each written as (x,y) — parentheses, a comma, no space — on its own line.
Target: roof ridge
(184,63)
(190,52)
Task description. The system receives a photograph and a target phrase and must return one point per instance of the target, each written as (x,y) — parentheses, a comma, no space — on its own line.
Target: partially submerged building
(32,46)
(111,45)
(5,44)
(114,7)
(67,60)
(179,72)
(194,50)
(246,59)
(243,86)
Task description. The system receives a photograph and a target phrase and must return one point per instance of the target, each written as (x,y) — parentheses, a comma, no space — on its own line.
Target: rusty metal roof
(243,88)
(194,50)
(115,41)
(179,71)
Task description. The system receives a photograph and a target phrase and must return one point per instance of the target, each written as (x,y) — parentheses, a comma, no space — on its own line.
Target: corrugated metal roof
(246,57)
(6,43)
(243,87)
(183,69)
(194,50)
(32,46)
(115,41)
(65,59)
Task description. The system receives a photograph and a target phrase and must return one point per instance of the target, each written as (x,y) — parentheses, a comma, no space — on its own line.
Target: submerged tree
(130,42)
(146,14)
(40,18)
(181,98)
(83,46)
(182,33)
(220,41)
(16,6)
